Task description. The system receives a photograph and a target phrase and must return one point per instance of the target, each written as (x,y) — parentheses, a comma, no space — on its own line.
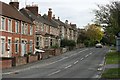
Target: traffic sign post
(118,42)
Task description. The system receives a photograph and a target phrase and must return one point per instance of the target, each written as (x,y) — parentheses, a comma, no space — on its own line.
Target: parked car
(98,45)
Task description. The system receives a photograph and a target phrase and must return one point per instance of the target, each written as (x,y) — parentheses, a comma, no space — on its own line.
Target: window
(37,41)
(16,46)
(10,25)
(3,23)
(31,30)
(46,42)
(31,46)
(2,45)
(47,30)
(22,28)
(42,27)
(17,27)
(25,29)
(9,44)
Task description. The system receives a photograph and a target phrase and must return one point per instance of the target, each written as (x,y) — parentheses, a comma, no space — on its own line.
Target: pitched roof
(73,26)
(60,22)
(42,19)
(11,12)
(50,22)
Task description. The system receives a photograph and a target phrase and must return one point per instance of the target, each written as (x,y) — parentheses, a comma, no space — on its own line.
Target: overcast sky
(79,12)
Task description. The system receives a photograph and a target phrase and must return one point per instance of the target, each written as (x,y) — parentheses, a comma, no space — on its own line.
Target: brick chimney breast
(50,14)
(33,9)
(14,3)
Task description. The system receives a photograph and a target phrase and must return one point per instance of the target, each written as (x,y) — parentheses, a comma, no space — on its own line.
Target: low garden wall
(19,61)
(57,52)
(5,62)
(32,58)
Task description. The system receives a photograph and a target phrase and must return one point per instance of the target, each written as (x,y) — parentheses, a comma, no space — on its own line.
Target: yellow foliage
(94,32)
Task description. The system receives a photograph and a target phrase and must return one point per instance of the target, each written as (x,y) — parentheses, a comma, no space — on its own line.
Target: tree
(109,16)
(68,43)
(82,36)
(94,33)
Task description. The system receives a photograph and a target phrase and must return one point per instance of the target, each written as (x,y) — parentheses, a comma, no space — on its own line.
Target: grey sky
(79,12)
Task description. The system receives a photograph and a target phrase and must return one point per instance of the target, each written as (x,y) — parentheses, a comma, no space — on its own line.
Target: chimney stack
(53,16)
(14,3)
(59,18)
(66,21)
(33,9)
(50,14)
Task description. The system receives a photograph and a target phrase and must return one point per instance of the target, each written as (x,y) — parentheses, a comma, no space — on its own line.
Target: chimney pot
(58,18)
(50,14)
(53,16)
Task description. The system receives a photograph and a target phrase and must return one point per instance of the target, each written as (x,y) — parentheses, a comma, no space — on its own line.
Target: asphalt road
(80,63)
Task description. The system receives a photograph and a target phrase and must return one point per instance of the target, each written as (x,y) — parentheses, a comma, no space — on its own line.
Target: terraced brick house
(61,27)
(47,30)
(74,32)
(16,31)
(53,36)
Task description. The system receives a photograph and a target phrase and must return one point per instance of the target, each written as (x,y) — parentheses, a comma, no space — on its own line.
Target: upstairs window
(22,28)
(3,23)
(26,29)
(31,30)
(17,27)
(10,25)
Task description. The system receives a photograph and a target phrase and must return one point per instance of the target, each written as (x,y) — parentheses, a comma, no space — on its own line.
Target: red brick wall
(14,35)
(5,64)
(57,52)
(32,58)
(19,61)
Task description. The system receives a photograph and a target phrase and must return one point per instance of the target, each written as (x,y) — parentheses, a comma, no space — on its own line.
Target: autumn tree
(94,33)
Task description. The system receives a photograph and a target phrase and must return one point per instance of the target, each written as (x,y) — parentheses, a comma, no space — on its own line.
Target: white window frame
(31,30)
(3,50)
(10,44)
(22,27)
(3,23)
(31,46)
(26,29)
(17,26)
(16,45)
(37,40)
(10,25)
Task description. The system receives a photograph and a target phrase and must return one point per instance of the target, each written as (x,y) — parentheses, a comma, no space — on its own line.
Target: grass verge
(113,58)
(111,73)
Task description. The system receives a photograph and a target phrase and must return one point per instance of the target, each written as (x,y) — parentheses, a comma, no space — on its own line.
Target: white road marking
(90,53)
(81,59)
(54,72)
(75,62)
(77,53)
(68,66)
(86,55)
